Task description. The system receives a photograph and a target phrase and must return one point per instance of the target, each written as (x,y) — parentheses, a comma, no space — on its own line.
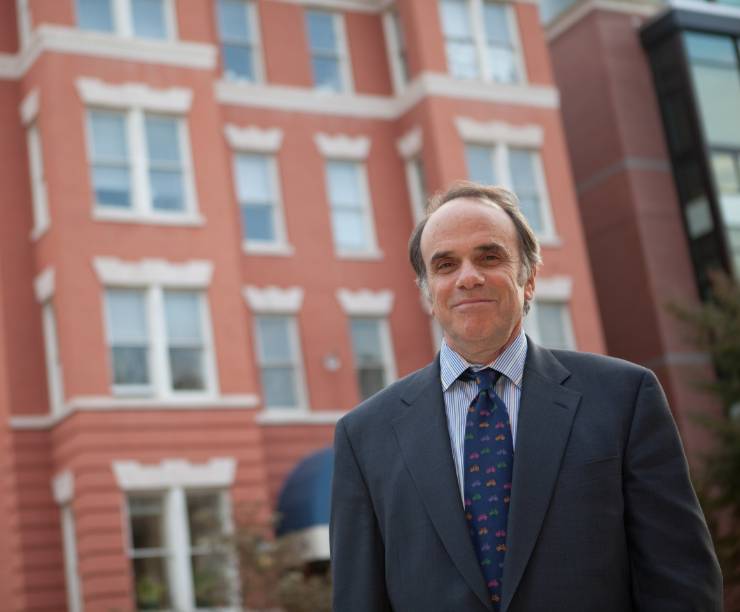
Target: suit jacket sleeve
(357,551)
(673,565)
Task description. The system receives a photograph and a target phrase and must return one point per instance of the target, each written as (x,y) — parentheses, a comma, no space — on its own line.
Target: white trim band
(273,299)
(116,272)
(95,92)
(494,132)
(365,302)
(299,417)
(132,475)
(253,138)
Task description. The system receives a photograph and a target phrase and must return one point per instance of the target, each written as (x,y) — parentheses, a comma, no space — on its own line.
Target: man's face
(471,252)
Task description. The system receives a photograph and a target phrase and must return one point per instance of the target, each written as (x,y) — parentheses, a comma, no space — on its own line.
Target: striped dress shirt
(459,394)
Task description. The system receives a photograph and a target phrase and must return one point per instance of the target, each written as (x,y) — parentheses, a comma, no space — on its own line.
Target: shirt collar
(510,363)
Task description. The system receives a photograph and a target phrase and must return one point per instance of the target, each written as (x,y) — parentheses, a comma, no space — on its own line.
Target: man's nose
(469,276)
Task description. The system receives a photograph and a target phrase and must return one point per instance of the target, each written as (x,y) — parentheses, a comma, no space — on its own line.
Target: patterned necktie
(489,458)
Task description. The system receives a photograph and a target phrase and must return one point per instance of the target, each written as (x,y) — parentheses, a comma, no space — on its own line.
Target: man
(428,514)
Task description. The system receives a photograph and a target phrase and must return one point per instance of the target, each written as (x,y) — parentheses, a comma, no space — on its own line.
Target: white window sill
(293,416)
(550,240)
(174,402)
(126,216)
(374,255)
(266,248)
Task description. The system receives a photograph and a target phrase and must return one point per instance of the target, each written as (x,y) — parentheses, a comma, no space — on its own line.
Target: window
(549,324)
(327,46)
(518,169)
(373,354)
(38,182)
(158,341)
(279,355)
(140,164)
(259,202)
(237,26)
(350,207)
(481,40)
(178,557)
(397,51)
(152,19)
(726,170)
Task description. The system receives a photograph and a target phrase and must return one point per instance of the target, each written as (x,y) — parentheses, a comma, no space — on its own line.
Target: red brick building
(205,211)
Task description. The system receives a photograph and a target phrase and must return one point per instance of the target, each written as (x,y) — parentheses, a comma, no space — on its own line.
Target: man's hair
(529,247)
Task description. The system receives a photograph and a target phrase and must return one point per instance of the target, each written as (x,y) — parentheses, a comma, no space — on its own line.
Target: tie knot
(485,378)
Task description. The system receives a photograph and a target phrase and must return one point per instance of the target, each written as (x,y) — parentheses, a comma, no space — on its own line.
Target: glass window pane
(253,179)
(366,342)
(344,184)
(258,223)
(349,230)
(456,19)
(126,314)
(167,190)
(479,160)
(147,521)
(149,18)
(204,518)
(710,48)
(495,17)
(211,585)
(95,15)
(150,582)
(109,140)
(551,324)
(502,65)
(186,369)
(326,73)
(321,33)
(112,186)
(233,20)
(279,387)
(238,62)
(522,169)
(162,139)
(182,312)
(274,344)
(462,61)
(130,365)
(726,172)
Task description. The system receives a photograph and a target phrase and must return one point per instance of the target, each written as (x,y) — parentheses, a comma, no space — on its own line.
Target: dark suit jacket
(602,518)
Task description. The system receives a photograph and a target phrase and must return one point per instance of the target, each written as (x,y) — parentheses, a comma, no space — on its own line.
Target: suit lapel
(546,413)
(423,437)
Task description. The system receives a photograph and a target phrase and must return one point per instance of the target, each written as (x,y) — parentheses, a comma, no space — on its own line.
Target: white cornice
(579,10)
(365,302)
(299,417)
(273,299)
(127,95)
(117,272)
(493,132)
(409,145)
(343,146)
(29,107)
(63,487)
(300,99)
(556,288)
(43,285)
(253,138)
(132,475)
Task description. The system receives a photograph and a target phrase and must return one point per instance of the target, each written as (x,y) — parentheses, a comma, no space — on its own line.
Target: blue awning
(306,494)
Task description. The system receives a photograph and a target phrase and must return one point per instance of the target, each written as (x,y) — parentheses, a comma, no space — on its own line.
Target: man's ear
(529,286)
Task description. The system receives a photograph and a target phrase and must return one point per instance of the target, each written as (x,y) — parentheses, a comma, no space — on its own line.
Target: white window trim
(393,49)
(44,286)
(29,107)
(25,22)
(194,274)
(302,400)
(365,302)
(94,92)
(372,252)
(345,60)
(253,139)
(566,321)
(273,300)
(257,57)
(409,145)
(554,288)
(173,478)
(63,490)
(530,136)
(63,487)
(123,20)
(343,146)
(39,192)
(475,14)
